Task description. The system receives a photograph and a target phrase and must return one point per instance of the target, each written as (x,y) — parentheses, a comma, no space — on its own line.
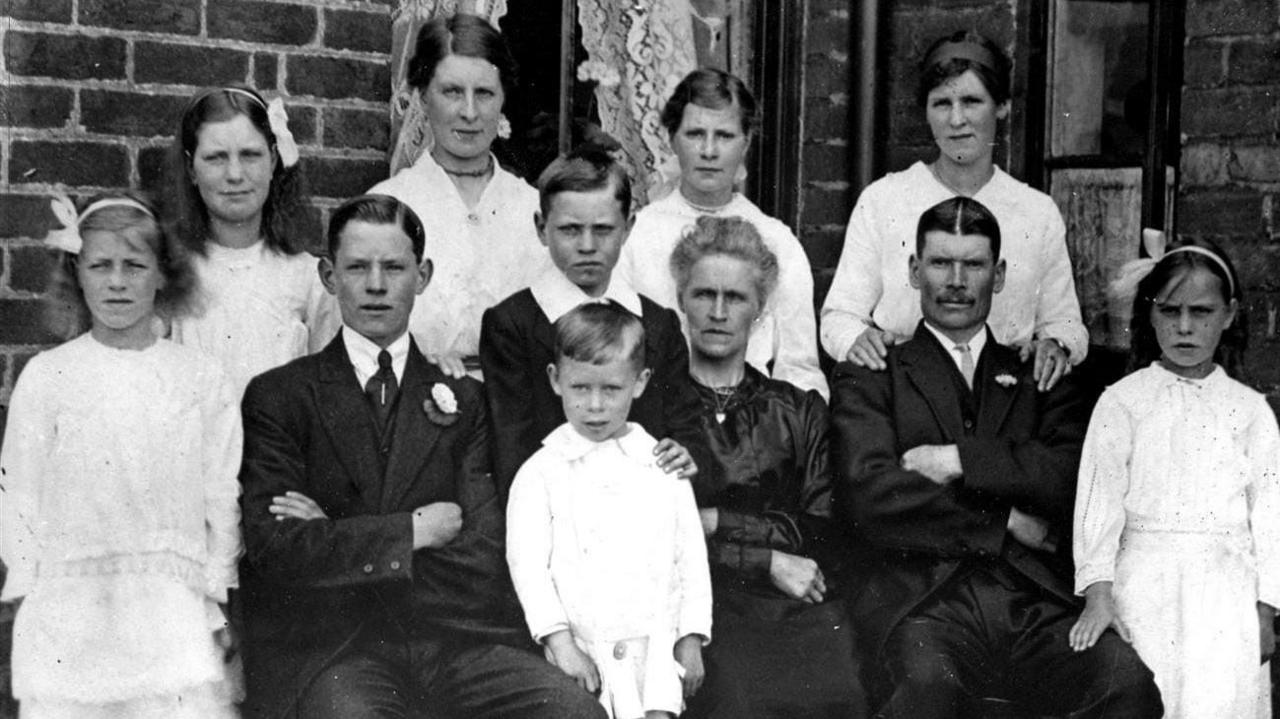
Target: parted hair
(598,333)
(284,216)
(376,210)
(995,78)
(728,236)
(1145,348)
(461,34)
(586,168)
(959,216)
(714,89)
(65,312)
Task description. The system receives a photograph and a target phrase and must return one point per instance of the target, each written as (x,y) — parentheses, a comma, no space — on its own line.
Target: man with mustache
(959,478)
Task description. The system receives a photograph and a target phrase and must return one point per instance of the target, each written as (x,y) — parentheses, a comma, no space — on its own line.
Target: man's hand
(573,661)
(295,505)
(1267,630)
(1052,362)
(436,524)
(1099,613)
(797,577)
(689,655)
(450,363)
(871,347)
(710,517)
(673,457)
(940,463)
(1030,530)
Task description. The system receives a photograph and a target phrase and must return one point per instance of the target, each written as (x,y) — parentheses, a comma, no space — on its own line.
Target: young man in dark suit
(959,476)
(584,220)
(374,583)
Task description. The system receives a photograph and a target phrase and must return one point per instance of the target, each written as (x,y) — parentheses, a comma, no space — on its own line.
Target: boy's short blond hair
(598,333)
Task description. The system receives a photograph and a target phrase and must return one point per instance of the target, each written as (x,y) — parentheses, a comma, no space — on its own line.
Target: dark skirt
(773,657)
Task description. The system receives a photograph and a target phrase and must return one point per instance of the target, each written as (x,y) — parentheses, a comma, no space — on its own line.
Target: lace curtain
(409,131)
(650,43)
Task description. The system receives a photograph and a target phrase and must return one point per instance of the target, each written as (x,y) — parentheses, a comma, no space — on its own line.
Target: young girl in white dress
(1177,517)
(606,550)
(239,210)
(118,519)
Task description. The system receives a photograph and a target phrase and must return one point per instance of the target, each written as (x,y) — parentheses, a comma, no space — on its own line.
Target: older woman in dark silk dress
(782,643)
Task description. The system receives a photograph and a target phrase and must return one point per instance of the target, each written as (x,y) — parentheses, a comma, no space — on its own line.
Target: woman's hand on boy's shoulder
(674,458)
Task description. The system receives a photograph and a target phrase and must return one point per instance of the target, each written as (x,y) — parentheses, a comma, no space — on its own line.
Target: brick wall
(1230,179)
(90,91)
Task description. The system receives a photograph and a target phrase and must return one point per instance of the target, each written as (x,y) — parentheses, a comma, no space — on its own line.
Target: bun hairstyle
(1206,255)
(284,217)
(131,216)
(461,34)
(951,56)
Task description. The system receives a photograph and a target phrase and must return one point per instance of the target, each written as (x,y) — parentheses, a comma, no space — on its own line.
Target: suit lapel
(344,413)
(996,399)
(930,371)
(415,436)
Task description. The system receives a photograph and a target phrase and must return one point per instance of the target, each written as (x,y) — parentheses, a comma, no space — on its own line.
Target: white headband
(67,238)
(1125,286)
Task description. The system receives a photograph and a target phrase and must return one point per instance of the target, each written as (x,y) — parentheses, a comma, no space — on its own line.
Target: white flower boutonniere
(442,407)
(1006,380)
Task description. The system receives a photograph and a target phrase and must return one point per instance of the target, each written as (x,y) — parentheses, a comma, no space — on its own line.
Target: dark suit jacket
(309,586)
(517,342)
(1018,447)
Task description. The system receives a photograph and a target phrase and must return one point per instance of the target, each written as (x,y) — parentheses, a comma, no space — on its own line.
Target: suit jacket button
(368,569)
(968,424)
(395,565)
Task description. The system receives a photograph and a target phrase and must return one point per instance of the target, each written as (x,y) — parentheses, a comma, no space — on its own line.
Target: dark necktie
(381,389)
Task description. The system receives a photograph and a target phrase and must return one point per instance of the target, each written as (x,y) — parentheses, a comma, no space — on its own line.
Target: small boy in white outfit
(606,550)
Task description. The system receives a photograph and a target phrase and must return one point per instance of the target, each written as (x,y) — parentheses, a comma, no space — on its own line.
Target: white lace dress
(258,309)
(119,528)
(1179,505)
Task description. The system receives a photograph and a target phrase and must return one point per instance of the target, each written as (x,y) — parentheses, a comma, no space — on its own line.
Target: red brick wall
(1230,180)
(90,92)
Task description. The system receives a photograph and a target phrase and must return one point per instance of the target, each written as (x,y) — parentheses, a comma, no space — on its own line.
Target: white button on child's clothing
(620,650)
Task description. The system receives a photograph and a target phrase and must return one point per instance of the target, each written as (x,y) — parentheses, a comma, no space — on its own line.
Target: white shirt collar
(976,344)
(636,444)
(556,295)
(363,354)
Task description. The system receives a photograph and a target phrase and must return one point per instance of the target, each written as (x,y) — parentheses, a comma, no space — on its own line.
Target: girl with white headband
(239,209)
(118,516)
(1177,518)
(965,95)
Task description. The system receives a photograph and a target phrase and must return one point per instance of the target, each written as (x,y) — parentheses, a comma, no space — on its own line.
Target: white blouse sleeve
(795,356)
(1100,492)
(224,437)
(529,552)
(1058,307)
(856,287)
(691,566)
(323,317)
(29,437)
(1264,501)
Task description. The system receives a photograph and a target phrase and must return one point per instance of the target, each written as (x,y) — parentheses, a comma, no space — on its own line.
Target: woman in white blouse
(964,90)
(711,119)
(478,217)
(240,211)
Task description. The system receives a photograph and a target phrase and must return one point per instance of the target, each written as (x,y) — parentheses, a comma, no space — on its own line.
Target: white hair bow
(67,237)
(278,120)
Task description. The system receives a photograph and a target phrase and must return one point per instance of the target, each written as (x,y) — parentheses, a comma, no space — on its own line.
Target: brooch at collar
(442,406)
(1006,380)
